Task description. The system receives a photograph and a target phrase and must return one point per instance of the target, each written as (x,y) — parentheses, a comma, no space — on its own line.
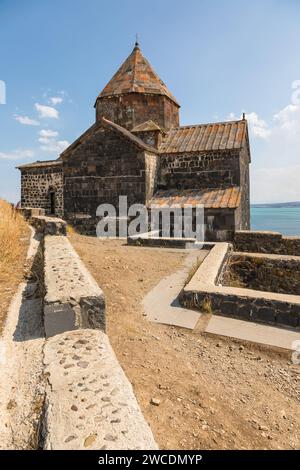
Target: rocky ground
(195,391)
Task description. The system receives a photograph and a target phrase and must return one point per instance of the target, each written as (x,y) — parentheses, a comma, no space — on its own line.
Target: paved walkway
(161,304)
(254,332)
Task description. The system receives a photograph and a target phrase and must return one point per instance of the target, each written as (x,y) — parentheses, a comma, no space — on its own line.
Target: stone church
(137,148)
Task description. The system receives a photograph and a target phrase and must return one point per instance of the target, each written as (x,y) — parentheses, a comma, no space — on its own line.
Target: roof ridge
(219,136)
(208,124)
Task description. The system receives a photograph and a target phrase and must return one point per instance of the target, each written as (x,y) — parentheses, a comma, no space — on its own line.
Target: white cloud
(288,118)
(231,117)
(46,111)
(276,184)
(17,154)
(258,126)
(49,142)
(27,121)
(55,146)
(48,133)
(56,100)
(275,148)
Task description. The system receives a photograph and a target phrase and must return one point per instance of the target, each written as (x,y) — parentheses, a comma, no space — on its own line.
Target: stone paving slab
(90,404)
(161,304)
(254,332)
(73,298)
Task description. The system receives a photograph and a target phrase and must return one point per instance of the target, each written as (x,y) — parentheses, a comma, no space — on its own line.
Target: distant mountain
(278,204)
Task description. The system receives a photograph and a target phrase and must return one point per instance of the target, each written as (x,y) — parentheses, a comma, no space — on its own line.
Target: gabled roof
(129,136)
(229,198)
(147,126)
(227,135)
(136,75)
(105,123)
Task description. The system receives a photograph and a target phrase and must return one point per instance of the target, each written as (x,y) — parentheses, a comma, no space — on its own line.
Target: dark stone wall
(152,138)
(243,214)
(132,109)
(36,186)
(201,170)
(266,242)
(219,224)
(259,310)
(100,170)
(281,275)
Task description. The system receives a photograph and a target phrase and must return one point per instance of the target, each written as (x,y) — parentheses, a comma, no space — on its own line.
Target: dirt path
(209,392)
(21,365)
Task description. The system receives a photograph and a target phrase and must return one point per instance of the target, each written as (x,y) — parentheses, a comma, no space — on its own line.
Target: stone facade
(136,148)
(42,187)
(123,169)
(129,110)
(266,242)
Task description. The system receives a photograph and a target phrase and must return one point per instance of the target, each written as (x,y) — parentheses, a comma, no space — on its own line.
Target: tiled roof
(40,164)
(205,137)
(136,75)
(228,198)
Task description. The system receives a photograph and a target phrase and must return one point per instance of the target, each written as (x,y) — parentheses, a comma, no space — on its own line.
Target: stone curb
(90,403)
(73,299)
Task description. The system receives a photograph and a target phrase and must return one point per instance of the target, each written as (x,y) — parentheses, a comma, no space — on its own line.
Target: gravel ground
(196,391)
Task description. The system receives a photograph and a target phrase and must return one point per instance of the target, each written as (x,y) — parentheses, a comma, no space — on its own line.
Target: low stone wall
(152,240)
(29,212)
(90,404)
(271,273)
(73,298)
(204,292)
(266,242)
(49,225)
(43,224)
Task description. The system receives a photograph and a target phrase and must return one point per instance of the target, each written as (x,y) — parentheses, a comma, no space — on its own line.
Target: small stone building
(137,148)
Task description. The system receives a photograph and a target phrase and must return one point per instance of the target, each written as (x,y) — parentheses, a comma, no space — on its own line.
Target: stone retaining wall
(271,273)
(205,293)
(89,403)
(49,225)
(266,242)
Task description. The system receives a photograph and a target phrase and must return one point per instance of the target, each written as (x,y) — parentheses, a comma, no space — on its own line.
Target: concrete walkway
(254,332)
(161,304)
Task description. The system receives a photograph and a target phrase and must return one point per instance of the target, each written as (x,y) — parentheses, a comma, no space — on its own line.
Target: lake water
(285,220)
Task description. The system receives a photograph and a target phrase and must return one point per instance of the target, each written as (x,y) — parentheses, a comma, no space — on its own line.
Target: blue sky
(219,58)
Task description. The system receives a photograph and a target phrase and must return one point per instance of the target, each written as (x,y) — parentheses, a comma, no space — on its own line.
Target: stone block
(73,299)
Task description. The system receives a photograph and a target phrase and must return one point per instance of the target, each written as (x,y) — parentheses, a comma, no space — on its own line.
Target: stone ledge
(73,299)
(151,239)
(90,404)
(266,242)
(49,225)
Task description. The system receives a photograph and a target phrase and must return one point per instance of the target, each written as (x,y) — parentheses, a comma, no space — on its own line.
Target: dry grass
(14,236)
